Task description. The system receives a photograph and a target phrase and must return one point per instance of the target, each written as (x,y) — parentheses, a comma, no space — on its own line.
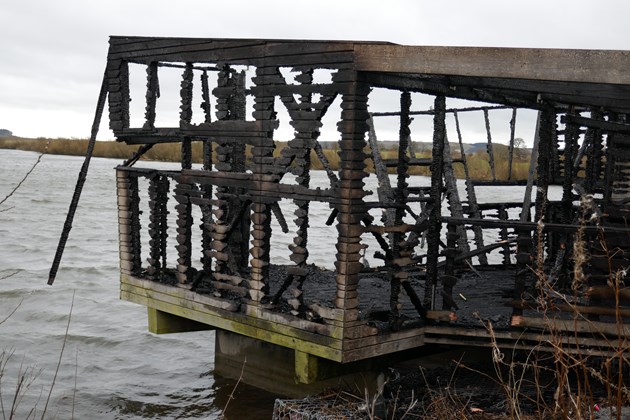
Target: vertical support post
(306,367)
(182,191)
(206,221)
(503,234)
(153,92)
(452,195)
(260,216)
(435,218)
(609,171)
(129,223)
(134,207)
(570,150)
(594,158)
(158,229)
(205,98)
(511,146)
(546,133)
(489,147)
(351,207)
(449,279)
(523,269)
(184,237)
(117,74)
(239,239)
(533,164)
(400,198)
(470,193)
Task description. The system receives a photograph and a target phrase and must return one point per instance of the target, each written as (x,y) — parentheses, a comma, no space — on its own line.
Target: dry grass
(478,165)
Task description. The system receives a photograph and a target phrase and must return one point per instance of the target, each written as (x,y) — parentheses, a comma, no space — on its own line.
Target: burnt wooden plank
(608,126)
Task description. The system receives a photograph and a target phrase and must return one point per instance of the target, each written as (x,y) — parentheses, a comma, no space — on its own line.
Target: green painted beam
(164,323)
(306,368)
(218,321)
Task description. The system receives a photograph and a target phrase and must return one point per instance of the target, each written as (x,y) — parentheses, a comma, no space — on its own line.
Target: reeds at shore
(478,163)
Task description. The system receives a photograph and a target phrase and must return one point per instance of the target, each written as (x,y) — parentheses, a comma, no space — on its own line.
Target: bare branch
(39,158)
(63,346)
(12,312)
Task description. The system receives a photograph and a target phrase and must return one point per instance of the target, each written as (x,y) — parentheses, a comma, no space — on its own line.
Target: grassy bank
(478,165)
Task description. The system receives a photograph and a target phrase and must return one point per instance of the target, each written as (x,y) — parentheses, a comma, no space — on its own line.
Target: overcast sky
(53,52)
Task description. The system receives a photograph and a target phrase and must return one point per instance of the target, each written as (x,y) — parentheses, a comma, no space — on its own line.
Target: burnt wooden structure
(195,242)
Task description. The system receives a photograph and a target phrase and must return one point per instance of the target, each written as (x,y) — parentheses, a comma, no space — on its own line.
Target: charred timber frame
(238,198)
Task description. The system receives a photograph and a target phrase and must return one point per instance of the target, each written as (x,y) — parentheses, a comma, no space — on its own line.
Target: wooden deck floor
(485,296)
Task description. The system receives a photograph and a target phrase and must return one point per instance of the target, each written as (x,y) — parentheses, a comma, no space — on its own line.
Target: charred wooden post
(351,207)
(400,198)
(158,228)
(184,190)
(470,193)
(489,147)
(555,167)
(570,152)
(262,156)
(117,74)
(205,97)
(524,260)
(503,235)
(433,233)
(546,136)
(207,221)
(129,223)
(153,92)
(594,155)
(511,144)
(448,279)
(452,195)
(184,233)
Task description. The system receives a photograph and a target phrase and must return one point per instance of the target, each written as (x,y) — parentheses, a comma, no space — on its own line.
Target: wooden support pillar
(262,155)
(594,159)
(571,135)
(206,218)
(435,218)
(545,134)
(524,260)
(158,227)
(128,223)
(306,367)
(489,147)
(165,323)
(184,236)
(351,207)
(511,145)
(449,279)
(473,207)
(503,235)
(118,95)
(400,198)
(452,196)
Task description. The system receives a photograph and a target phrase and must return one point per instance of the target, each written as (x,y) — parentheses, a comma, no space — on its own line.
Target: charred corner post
(197,243)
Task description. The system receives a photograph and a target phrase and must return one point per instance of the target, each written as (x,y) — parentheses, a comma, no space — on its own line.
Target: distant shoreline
(478,165)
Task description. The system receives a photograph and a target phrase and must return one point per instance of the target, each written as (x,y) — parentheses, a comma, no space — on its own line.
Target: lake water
(111,368)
